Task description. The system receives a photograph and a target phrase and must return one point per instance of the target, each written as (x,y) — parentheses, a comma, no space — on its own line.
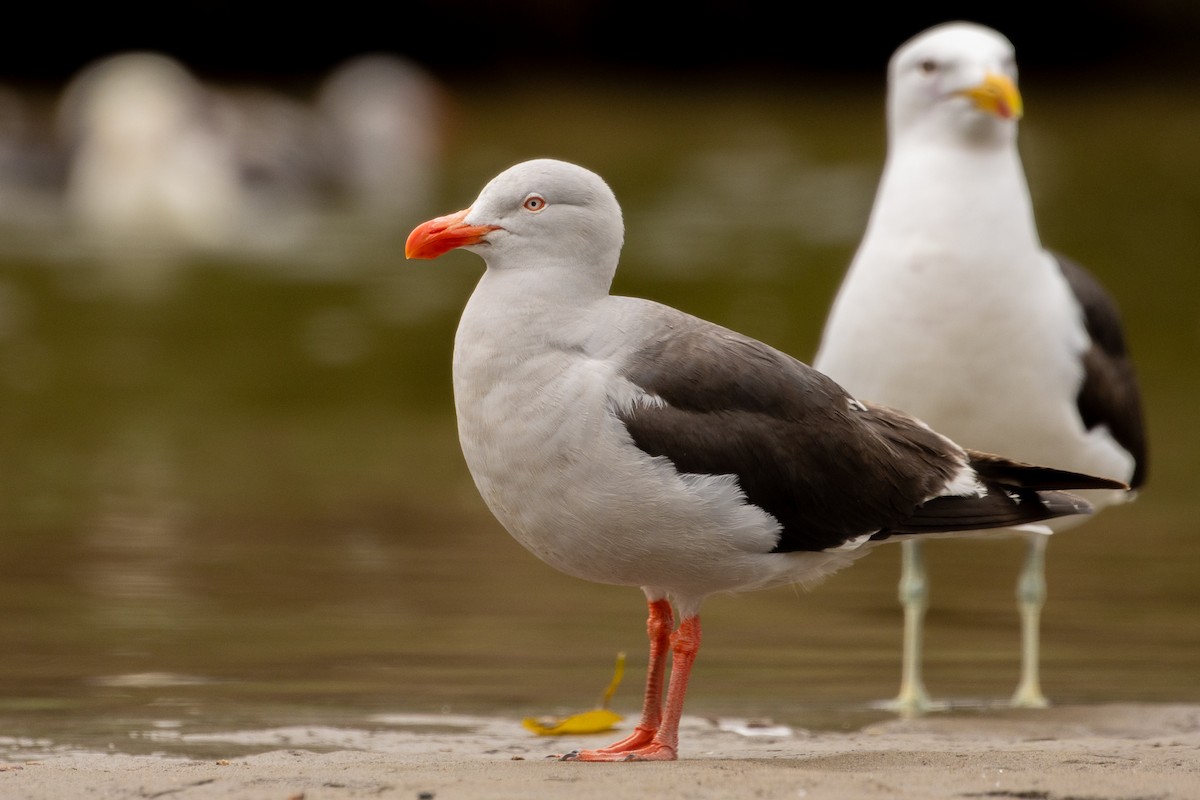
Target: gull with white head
(954,311)
(625,442)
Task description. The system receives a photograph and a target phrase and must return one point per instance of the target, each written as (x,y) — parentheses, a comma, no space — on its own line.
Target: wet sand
(1107,752)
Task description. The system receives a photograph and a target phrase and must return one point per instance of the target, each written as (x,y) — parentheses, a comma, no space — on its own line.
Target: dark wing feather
(1109,395)
(1020,475)
(1017,494)
(794,439)
(997,509)
(827,467)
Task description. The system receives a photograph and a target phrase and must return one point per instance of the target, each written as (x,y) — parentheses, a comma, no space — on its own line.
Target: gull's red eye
(535,203)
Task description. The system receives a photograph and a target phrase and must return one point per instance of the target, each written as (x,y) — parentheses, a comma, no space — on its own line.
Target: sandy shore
(1112,752)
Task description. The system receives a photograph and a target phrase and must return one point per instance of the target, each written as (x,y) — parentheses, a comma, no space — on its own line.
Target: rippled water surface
(231,493)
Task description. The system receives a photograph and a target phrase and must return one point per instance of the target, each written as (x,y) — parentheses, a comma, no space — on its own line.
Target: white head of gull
(953,310)
(625,442)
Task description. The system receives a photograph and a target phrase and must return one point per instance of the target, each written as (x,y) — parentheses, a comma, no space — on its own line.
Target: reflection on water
(240,502)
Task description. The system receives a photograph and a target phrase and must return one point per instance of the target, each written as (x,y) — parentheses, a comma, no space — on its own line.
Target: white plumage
(953,310)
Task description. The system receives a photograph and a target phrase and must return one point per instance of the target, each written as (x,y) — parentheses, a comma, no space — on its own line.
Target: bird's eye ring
(534,203)
(928,65)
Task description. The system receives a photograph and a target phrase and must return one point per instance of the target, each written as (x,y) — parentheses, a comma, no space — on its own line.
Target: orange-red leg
(658,628)
(656,738)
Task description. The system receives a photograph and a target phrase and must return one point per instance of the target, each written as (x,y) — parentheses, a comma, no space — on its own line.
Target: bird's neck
(515,316)
(973,194)
(537,295)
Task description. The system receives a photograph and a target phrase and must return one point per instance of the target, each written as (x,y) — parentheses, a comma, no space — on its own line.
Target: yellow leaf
(595,721)
(618,673)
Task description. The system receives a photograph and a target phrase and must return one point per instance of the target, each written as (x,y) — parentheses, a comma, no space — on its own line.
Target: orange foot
(641,737)
(650,752)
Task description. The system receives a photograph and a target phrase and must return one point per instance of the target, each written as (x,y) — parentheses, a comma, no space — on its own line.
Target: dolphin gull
(625,442)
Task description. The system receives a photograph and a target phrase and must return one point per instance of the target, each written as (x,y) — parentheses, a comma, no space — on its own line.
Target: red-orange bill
(443,234)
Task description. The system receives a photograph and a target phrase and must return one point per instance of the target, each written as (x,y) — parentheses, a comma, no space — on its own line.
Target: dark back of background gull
(230,492)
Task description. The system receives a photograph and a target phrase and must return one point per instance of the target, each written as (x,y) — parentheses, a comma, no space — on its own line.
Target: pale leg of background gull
(1031,596)
(912,700)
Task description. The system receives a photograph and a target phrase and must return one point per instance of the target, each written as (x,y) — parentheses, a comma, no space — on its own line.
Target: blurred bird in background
(156,166)
(952,309)
(385,124)
(152,177)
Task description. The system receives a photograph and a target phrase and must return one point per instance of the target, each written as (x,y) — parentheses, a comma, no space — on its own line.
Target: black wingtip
(1007,472)
(999,507)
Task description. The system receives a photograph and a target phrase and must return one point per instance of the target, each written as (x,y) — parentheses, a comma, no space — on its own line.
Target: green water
(239,501)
